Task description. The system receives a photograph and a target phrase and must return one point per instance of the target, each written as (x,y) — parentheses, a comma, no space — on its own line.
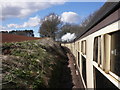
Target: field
(14,38)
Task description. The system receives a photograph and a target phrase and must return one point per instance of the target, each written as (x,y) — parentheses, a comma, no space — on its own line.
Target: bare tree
(50,25)
(88,19)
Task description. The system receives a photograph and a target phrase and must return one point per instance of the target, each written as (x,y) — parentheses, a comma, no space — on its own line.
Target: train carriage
(97,49)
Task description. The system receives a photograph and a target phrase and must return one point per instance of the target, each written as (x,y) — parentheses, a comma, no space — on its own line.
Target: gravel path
(69,77)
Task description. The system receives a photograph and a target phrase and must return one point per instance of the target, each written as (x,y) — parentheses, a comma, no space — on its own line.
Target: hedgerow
(32,65)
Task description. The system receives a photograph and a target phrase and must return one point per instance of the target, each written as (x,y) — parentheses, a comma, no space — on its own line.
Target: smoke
(68,37)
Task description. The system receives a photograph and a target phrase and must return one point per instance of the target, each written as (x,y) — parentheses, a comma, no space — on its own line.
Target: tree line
(29,33)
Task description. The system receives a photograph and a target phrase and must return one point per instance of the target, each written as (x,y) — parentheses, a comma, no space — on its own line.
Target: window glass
(78,46)
(115,53)
(100,81)
(83,47)
(78,59)
(84,69)
(99,50)
(95,51)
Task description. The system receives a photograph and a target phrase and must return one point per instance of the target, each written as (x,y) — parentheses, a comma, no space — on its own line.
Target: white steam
(68,37)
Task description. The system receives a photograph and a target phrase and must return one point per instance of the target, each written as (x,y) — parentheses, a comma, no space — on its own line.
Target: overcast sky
(28,15)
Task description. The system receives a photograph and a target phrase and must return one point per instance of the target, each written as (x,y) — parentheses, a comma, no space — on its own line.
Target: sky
(28,15)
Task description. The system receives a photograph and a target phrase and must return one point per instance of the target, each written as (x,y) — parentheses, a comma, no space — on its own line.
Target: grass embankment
(32,64)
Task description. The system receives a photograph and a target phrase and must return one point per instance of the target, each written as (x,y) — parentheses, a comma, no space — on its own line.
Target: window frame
(83,47)
(83,51)
(106,56)
(109,71)
(98,41)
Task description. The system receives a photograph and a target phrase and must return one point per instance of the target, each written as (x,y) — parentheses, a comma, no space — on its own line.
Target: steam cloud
(68,37)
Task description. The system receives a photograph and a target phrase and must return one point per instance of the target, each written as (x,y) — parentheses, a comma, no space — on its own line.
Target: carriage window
(100,81)
(84,69)
(115,53)
(78,46)
(97,50)
(78,59)
(95,53)
(83,47)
